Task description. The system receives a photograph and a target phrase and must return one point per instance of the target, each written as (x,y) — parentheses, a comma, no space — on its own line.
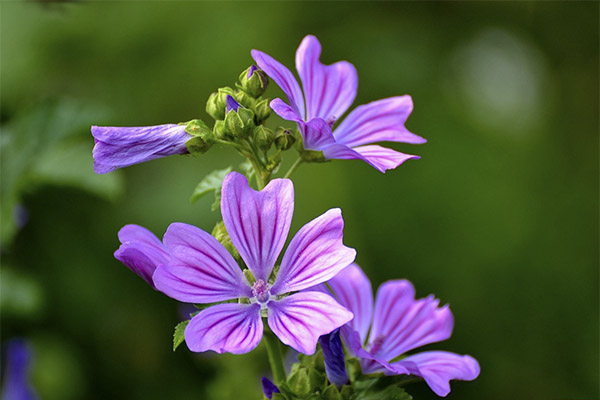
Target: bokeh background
(499,218)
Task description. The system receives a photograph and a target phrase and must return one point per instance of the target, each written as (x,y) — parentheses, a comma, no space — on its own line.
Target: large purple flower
(141,251)
(398,323)
(328,92)
(118,147)
(201,270)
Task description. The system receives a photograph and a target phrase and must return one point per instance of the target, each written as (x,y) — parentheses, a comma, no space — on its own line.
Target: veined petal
(141,251)
(379,157)
(438,368)
(230,327)
(401,323)
(333,355)
(118,147)
(329,89)
(315,254)
(370,364)
(353,290)
(285,111)
(379,121)
(257,222)
(298,320)
(283,78)
(201,270)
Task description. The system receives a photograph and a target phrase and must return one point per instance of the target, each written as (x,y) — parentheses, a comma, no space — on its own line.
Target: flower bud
(197,127)
(220,130)
(197,145)
(220,233)
(284,140)
(254,81)
(262,109)
(217,103)
(245,99)
(263,137)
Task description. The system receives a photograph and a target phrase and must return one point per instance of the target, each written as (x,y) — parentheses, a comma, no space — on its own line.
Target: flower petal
(283,78)
(379,121)
(118,147)
(353,290)
(268,387)
(439,367)
(201,270)
(298,320)
(402,323)
(230,327)
(257,222)
(333,355)
(315,254)
(329,89)
(379,157)
(141,251)
(285,111)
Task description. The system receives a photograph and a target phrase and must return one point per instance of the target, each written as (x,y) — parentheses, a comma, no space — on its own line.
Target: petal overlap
(315,254)
(230,327)
(201,270)
(257,222)
(298,320)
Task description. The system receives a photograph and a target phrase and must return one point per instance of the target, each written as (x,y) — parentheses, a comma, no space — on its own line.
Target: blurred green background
(499,218)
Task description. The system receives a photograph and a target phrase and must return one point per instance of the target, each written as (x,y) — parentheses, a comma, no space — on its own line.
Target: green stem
(293,167)
(275,356)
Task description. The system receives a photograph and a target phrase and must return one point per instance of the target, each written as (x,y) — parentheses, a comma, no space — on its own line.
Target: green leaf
(178,335)
(379,387)
(211,182)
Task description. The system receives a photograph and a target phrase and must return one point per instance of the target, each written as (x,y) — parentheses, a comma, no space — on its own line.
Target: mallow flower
(202,271)
(380,334)
(117,147)
(141,251)
(328,92)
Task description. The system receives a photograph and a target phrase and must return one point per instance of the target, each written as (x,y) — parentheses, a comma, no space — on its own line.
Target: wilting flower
(141,251)
(333,355)
(269,388)
(15,385)
(398,323)
(201,270)
(328,92)
(118,147)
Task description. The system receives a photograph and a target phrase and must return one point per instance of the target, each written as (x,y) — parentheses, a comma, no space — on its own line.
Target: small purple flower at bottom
(15,385)
(117,147)
(141,251)
(328,92)
(268,388)
(201,270)
(396,324)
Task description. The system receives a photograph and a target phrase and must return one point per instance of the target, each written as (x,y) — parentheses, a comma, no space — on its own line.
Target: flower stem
(275,356)
(293,167)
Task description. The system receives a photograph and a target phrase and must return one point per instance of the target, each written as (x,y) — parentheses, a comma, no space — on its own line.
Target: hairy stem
(293,167)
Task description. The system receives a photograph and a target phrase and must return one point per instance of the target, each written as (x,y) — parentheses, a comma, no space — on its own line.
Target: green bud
(217,103)
(346,392)
(244,99)
(197,145)
(299,382)
(197,127)
(234,124)
(263,111)
(331,393)
(263,137)
(249,276)
(220,233)
(284,139)
(353,369)
(254,81)
(220,130)
(316,379)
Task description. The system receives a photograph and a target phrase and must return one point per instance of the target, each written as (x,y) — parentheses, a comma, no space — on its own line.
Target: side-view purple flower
(117,147)
(202,271)
(395,324)
(329,90)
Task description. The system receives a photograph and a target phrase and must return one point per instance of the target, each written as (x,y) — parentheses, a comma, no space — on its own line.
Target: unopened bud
(220,130)
(217,103)
(197,145)
(220,233)
(254,81)
(263,111)
(284,140)
(263,137)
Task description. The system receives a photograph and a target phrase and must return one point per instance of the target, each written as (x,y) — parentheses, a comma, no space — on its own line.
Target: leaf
(178,335)
(211,182)
(379,387)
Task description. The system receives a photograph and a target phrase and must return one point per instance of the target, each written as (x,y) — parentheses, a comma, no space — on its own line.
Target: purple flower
(201,270)
(268,388)
(118,147)
(398,323)
(141,251)
(333,354)
(328,92)
(15,385)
